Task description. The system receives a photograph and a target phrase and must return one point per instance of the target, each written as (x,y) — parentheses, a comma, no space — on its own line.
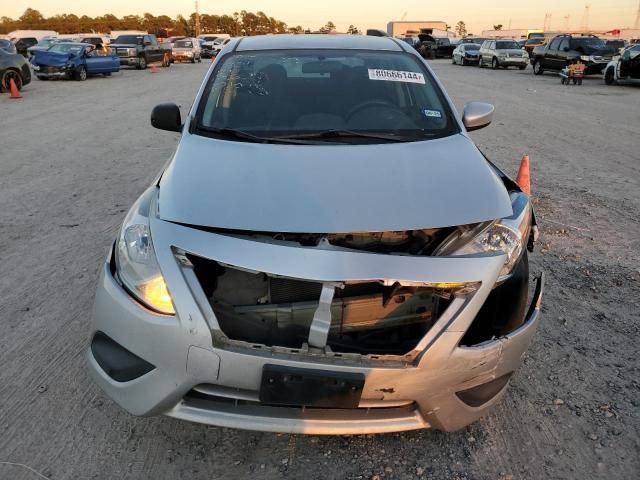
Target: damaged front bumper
(186,367)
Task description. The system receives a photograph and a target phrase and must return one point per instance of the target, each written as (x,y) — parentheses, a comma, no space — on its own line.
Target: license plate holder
(302,387)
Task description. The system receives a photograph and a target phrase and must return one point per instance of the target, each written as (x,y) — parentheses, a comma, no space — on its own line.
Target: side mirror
(166,116)
(477,115)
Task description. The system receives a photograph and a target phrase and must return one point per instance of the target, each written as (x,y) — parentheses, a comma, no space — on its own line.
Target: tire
(5,81)
(200,59)
(80,74)
(107,74)
(522,67)
(166,60)
(537,68)
(453,60)
(44,79)
(579,81)
(480,63)
(562,81)
(609,76)
(142,63)
(495,64)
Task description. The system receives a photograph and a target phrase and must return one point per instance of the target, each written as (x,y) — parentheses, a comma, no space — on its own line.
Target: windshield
(45,42)
(471,46)
(66,48)
(587,42)
(131,39)
(184,44)
(507,45)
(318,91)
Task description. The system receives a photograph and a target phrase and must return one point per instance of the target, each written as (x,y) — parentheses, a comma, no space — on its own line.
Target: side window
(555,43)
(493,45)
(564,44)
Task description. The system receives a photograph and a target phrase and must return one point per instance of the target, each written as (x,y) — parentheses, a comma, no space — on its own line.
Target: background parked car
(73,60)
(444,48)
(141,49)
(187,50)
(218,45)
(42,45)
(23,44)
(478,40)
(503,53)
(13,66)
(624,68)
(532,43)
(563,50)
(7,46)
(466,54)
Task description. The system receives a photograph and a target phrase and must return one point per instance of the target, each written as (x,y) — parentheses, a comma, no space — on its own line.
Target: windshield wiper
(230,132)
(336,133)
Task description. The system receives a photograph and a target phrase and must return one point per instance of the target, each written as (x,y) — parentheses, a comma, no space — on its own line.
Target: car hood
(330,188)
(511,51)
(52,59)
(596,51)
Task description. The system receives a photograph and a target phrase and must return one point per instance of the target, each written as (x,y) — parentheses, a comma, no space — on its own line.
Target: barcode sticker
(396,76)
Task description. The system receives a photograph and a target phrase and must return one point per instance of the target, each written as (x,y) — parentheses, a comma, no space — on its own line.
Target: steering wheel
(372,104)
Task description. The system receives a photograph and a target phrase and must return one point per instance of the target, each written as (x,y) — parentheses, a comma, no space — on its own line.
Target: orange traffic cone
(154,69)
(15,93)
(524,178)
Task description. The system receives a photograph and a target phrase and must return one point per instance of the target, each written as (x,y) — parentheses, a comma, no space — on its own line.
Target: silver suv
(503,53)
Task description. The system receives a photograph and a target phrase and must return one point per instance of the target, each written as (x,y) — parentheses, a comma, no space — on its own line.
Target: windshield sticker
(433,113)
(396,76)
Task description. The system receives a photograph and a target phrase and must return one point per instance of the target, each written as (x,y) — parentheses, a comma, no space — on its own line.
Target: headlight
(586,58)
(508,236)
(136,262)
(132,52)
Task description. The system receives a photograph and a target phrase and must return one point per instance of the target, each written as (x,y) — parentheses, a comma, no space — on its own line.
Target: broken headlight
(136,262)
(508,236)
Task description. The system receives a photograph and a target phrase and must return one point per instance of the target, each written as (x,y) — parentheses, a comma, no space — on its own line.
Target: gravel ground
(74,156)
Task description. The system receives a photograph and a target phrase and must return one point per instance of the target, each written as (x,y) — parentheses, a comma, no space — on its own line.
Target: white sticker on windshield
(433,113)
(396,76)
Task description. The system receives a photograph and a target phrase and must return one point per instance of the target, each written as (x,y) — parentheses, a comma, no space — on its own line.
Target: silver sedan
(327,252)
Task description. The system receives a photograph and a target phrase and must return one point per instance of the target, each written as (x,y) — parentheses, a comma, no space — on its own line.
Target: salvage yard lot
(75,155)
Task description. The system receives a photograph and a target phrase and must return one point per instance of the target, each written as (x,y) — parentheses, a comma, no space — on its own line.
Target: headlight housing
(136,263)
(508,236)
(586,58)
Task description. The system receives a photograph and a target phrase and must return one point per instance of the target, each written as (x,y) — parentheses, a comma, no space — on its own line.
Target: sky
(477,14)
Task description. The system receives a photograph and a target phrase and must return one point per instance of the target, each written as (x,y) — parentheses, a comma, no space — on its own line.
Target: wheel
(522,67)
(579,81)
(609,76)
(43,78)
(464,62)
(166,60)
(494,63)
(453,60)
(193,59)
(575,81)
(80,74)
(199,59)
(7,76)
(107,74)
(563,81)
(537,68)
(480,63)
(142,63)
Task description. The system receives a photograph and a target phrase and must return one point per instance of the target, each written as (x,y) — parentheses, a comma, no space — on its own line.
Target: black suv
(563,50)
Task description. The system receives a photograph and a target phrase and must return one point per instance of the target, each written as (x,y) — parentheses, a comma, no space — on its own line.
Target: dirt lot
(74,156)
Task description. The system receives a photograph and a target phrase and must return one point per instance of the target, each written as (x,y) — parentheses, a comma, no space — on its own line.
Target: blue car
(73,60)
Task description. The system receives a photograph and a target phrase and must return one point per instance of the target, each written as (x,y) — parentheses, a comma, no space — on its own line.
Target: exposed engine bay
(366,317)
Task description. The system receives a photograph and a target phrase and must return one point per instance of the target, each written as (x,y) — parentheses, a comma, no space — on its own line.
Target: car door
(93,62)
(561,59)
(549,58)
(458,53)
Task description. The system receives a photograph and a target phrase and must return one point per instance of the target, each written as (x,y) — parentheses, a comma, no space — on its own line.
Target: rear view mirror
(166,116)
(477,115)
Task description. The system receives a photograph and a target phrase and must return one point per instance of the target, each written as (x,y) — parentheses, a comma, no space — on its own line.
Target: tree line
(239,23)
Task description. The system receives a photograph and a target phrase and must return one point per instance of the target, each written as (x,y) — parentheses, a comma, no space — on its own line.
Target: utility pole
(547,22)
(197,20)
(637,24)
(585,18)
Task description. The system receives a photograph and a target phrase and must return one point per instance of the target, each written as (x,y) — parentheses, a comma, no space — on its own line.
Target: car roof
(319,41)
